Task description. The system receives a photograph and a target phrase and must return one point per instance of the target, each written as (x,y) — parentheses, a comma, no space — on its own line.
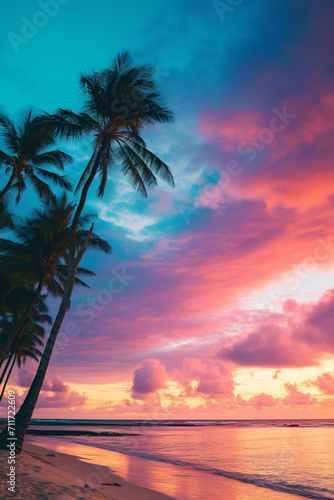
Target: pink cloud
(69,399)
(56,394)
(258,401)
(56,385)
(270,346)
(213,381)
(295,397)
(148,378)
(26,374)
(325,383)
(305,339)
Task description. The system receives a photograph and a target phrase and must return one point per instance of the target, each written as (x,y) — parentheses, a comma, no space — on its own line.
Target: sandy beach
(59,476)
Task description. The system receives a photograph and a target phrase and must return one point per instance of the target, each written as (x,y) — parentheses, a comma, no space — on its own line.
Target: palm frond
(53,158)
(58,180)
(130,171)
(145,171)
(67,124)
(95,243)
(158,166)
(41,188)
(9,134)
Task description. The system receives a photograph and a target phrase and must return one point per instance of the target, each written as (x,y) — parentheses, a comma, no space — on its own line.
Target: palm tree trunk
(9,183)
(7,378)
(5,345)
(24,415)
(82,202)
(6,368)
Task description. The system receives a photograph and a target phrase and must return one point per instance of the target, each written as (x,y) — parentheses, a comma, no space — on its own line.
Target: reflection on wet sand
(176,481)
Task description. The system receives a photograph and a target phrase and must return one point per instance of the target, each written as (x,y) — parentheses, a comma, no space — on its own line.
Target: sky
(218,299)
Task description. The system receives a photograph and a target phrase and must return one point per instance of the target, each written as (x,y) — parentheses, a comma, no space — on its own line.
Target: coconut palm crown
(119,102)
(28,159)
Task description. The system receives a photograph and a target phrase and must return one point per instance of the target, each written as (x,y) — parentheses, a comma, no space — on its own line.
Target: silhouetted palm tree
(13,308)
(42,250)
(28,158)
(25,345)
(50,244)
(119,103)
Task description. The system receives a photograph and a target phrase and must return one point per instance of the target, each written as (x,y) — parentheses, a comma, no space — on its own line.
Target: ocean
(185,458)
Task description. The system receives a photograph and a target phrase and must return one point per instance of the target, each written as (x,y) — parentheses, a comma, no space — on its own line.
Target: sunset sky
(218,300)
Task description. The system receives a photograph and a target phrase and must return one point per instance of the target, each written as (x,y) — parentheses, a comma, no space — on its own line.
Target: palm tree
(13,303)
(52,244)
(119,103)
(116,131)
(25,346)
(28,157)
(28,336)
(42,250)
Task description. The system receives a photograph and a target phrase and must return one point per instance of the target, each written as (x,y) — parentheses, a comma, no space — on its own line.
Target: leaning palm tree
(14,307)
(120,102)
(52,247)
(29,159)
(25,346)
(24,349)
(41,247)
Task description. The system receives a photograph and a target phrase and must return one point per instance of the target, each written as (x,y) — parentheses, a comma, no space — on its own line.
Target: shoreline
(54,468)
(43,473)
(163,480)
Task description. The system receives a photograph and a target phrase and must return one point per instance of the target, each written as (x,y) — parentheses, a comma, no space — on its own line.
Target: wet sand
(64,477)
